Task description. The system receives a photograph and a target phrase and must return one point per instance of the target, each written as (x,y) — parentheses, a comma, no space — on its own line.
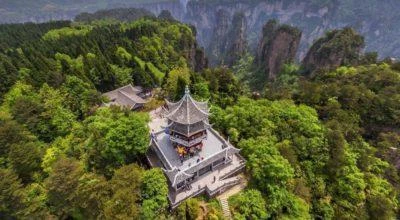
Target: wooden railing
(187,143)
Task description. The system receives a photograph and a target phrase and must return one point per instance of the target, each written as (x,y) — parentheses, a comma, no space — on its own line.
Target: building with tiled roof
(193,156)
(127,96)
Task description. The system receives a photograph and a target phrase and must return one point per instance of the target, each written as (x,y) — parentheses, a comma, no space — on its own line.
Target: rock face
(338,47)
(314,18)
(229,41)
(200,60)
(377,20)
(166,15)
(278,46)
(311,20)
(218,41)
(195,56)
(237,39)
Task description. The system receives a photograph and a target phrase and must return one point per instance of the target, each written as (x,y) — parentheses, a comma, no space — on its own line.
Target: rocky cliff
(166,15)
(377,20)
(237,40)
(336,48)
(228,42)
(278,45)
(194,54)
(257,13)
(218,41)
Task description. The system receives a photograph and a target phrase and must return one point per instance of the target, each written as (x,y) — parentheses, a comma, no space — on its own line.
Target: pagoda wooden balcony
(187,143)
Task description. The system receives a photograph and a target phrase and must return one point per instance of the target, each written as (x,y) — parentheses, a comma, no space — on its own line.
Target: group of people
(185,152)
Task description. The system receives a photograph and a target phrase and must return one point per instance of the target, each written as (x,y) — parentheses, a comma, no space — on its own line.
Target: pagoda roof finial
(187,90)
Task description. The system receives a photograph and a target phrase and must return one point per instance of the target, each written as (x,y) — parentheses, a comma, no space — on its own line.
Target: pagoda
(193,156)
(187,125)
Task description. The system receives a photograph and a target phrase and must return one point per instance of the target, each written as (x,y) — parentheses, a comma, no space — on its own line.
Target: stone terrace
(206,184)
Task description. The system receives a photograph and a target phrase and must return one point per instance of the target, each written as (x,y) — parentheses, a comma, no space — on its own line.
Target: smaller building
(193,156)
(131,97)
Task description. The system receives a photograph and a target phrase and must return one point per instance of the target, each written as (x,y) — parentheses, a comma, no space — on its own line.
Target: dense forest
(320,138)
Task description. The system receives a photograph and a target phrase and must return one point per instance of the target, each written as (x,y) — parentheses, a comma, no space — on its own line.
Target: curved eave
(172,104)
(188,123)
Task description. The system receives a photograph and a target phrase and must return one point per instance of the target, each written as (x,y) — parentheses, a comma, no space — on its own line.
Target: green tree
(200,91)
(125,186)
(92,193)
(176,81)
(123,55)
(223,85)
(380,198)
(36,202)
(25,159)
(12,194)
(114,138)
(348,185)
(270,172)
(54,102)
(8,74)
(11,133)
(243,67)
(44,112)
(297,209)
(189,209)
(122,75)
(81,96)
(54,152)
(154,191)
(62,184)
(18,90)
(248,205)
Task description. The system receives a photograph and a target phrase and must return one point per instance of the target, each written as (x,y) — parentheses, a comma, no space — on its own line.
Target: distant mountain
(377,20)
(17,11)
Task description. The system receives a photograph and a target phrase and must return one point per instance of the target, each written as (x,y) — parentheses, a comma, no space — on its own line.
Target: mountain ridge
(374,19)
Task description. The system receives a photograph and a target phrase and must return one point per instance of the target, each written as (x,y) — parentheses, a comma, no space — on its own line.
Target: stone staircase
(225,207)
(223,198)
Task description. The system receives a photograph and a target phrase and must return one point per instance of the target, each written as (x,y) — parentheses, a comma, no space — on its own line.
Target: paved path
(223,198)
(156,121)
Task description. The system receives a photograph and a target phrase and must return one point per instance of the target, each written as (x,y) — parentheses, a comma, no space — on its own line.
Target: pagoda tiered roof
(187,111)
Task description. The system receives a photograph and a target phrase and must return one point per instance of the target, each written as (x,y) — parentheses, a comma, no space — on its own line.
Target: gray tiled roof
(187,110)
(126,96)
